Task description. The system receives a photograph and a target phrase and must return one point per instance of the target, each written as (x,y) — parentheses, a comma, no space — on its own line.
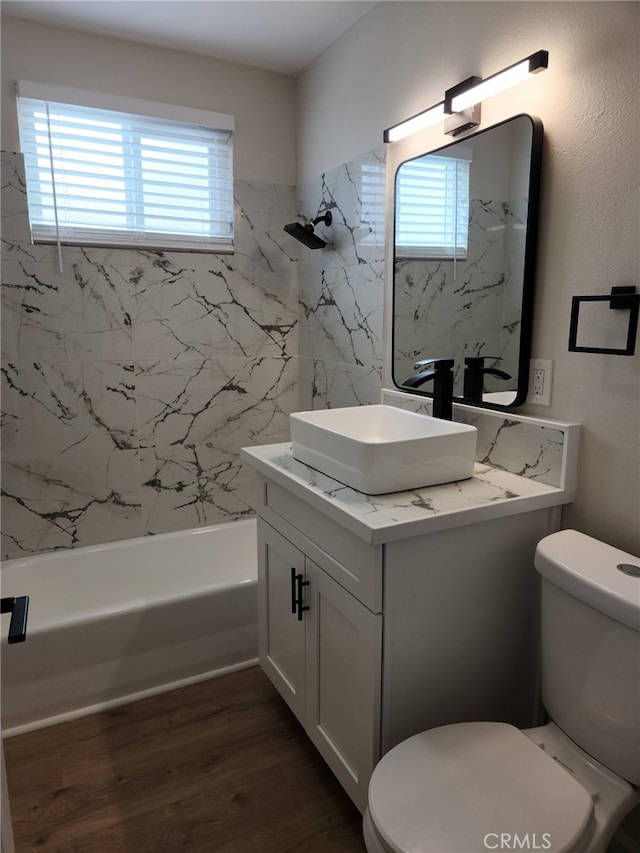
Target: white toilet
(563,787)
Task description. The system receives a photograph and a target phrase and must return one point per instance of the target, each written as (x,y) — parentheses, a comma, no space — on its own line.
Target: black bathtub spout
(18,608)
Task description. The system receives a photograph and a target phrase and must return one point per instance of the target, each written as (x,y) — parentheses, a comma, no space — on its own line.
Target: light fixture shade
(417,122)
(460,109)
(499,82)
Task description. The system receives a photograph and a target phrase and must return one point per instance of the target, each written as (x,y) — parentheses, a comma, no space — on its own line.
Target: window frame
(145,120)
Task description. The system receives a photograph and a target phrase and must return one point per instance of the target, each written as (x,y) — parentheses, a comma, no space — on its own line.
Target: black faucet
(442,375)
(474,373)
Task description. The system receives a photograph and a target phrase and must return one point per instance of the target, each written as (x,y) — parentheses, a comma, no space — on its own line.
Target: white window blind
(103,177)
(372,195)
(432,208)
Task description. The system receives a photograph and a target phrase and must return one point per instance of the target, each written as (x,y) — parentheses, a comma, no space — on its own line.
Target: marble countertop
(489,493)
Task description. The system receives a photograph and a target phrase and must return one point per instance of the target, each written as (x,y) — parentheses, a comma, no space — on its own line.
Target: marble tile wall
(132,378)
(342,286)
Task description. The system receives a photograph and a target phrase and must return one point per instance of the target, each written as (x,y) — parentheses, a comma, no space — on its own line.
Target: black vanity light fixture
(460,109)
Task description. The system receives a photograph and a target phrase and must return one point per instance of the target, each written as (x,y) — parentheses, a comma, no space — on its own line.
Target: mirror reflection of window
(432,208)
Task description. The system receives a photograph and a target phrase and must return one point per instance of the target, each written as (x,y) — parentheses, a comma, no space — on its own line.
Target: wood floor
(218,767)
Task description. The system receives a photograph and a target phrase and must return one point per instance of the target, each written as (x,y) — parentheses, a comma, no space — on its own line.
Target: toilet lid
(461,788)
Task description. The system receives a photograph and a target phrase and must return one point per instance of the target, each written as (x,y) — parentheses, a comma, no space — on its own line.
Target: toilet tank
(591,647)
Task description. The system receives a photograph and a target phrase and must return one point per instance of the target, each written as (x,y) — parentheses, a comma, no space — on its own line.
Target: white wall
(399,59)
(263,102)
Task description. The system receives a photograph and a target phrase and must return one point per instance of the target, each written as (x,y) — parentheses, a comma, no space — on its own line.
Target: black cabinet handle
(300,583)
(294,597)
(18,608)
(296,593)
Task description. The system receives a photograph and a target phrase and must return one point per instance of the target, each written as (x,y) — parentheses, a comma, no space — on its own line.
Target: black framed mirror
(465,239)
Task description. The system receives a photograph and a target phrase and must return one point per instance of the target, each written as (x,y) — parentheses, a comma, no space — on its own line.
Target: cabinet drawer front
(356,565)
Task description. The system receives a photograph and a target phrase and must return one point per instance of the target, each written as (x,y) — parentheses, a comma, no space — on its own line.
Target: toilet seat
(471,787)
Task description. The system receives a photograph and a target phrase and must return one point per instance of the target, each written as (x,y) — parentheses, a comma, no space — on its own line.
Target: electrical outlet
(540,378)
(538,382)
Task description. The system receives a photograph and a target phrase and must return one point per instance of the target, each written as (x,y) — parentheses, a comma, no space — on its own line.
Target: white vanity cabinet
(371,643)
(321,648)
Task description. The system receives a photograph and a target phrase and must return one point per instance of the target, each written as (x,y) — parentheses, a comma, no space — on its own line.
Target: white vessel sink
(380,449)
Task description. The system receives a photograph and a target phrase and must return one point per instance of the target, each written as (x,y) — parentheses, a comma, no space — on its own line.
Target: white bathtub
(112,623)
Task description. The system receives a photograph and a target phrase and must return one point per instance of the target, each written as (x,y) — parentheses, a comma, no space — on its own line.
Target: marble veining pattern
(132,378)
(330,384)
(342,286)
(366,515)
(189,401)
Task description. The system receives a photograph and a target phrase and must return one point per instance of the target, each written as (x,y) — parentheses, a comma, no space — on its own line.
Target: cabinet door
(343,681)
(281,634)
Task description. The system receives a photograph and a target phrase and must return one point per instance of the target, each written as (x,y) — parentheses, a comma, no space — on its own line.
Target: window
(110,177)
(432,208)
(372,200)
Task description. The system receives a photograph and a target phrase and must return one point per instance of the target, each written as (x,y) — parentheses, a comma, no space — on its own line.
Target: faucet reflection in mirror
(464,260)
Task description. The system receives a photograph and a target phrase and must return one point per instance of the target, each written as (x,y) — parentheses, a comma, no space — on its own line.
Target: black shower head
(306,234)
